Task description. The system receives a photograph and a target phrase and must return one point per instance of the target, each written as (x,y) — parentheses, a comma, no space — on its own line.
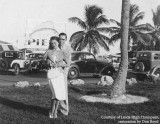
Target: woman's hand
(53,64)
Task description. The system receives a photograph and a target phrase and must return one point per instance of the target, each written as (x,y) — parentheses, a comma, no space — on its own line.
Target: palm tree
(155,33)
(137,32)
(119,82)
(90,36)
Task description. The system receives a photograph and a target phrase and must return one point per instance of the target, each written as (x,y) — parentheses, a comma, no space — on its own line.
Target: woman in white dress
(56,61)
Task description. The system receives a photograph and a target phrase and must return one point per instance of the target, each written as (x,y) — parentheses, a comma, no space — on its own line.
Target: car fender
(108,66)
(19,62)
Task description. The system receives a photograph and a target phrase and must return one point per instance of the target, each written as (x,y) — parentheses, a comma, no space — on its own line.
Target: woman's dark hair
(53,38)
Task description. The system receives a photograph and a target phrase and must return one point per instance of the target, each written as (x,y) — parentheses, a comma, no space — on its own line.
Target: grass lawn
(31,105)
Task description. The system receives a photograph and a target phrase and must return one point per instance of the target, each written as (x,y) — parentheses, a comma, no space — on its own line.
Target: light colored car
(146,60)
(13,61)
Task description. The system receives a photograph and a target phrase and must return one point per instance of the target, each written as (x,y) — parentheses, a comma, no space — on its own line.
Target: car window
(8,54)
(21,55)
(157,71)
(143,55)
(35,56)
(75,56)
(157,56)
(40,56)
(89,56)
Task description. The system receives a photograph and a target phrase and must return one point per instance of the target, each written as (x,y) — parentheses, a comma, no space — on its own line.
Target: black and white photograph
(80,62)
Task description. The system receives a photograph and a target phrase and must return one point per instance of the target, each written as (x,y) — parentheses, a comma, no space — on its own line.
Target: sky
(18,16)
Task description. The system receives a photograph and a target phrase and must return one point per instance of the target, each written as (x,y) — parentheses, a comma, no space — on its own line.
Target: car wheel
(139,67)
(16,69)
(3,64)
(73,73)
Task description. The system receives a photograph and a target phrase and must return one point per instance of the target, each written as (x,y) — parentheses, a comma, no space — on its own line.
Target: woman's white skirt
(57,86)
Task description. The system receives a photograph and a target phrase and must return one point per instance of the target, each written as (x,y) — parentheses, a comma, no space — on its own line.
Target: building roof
(4,47)
(3,42)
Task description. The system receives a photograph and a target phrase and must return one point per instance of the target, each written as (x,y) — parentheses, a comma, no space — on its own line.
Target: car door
(90,63)
(80,62)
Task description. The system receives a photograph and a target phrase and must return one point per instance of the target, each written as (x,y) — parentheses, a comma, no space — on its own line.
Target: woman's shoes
(52,116)
(55,116)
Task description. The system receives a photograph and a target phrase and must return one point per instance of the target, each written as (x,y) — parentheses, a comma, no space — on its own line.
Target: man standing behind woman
(56,60)
(64,107)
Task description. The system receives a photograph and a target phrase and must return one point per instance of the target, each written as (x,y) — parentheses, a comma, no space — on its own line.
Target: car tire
(16,69)
(73,73)
(3,65)
(139,67)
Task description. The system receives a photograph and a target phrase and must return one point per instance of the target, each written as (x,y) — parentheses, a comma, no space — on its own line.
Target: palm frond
(156,17)
(100,39)
(134,9)
(76,45)
(134,37)
(103,29)
(115,38)
(141,38)
(95,48)
(114,30)
(79,22)
(105,40)
(115,22)
(93,44)
(144,28)
(76,35)
(149,26)
(100,20)
(91,13)
(137,18)
(83,43)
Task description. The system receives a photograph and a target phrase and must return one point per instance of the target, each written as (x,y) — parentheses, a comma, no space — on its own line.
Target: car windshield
(89,56)
(143,55)
(35,56)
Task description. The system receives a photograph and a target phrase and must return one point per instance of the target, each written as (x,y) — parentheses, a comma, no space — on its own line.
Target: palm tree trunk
(120,81)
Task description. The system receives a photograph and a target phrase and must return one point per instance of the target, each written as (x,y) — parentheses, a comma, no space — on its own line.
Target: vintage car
(13,61)
(85,63)
(146,60)
(36,61)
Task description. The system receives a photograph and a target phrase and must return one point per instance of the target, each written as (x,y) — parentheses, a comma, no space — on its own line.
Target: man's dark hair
(63,34)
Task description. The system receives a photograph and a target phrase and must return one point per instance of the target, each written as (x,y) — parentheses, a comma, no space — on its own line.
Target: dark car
(146,60)
(13,61)
(86,63)
(36,61)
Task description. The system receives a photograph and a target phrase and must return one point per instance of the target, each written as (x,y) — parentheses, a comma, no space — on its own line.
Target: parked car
(146,60)
(13,61)
(116,62)
(86,63)
(36,61)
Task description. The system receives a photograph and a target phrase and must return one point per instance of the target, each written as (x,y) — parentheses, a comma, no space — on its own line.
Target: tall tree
(120,81)
(137,32)
(90,36)
(155,29)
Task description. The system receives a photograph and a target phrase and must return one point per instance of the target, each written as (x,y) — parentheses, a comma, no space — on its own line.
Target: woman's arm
(66,63)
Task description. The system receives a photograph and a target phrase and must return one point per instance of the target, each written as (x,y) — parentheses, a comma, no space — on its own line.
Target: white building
(38,39)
